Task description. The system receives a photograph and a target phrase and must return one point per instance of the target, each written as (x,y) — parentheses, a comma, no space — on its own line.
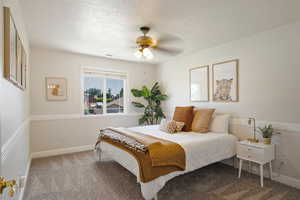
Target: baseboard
(293,182)
(286,180)
(56,152)
(21,196)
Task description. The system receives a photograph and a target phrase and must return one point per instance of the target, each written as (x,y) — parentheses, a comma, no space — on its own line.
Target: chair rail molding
(79,116)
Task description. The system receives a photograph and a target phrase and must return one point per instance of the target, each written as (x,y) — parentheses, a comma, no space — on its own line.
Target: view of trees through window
(94,101)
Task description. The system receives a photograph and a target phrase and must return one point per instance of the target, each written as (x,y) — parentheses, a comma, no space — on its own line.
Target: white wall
(269,85)
(53,133)
(14,108)
(51,63)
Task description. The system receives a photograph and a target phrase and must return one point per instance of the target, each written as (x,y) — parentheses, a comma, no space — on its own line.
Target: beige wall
(269,86)
(51,63)
(14,108)
(269,75)
(58,125)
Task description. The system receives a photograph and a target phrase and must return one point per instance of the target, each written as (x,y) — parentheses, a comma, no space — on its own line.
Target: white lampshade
(147,53)
(138,54)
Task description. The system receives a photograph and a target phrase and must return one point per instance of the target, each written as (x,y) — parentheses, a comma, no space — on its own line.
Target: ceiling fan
(146,44)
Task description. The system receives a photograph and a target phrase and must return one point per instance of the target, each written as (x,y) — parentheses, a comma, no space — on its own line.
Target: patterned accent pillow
(168,126)
(179,126)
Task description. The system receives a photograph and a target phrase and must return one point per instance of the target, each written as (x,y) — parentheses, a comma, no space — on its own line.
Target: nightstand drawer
(250,153)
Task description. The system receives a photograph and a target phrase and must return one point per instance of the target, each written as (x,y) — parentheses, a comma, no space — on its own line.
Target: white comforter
(200,150)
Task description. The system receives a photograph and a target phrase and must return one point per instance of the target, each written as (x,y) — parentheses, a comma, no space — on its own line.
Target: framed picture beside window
(56,89)
(104,92)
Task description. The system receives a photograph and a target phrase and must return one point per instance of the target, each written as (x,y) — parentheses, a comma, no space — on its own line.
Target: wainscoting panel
(15,156)
(67,132)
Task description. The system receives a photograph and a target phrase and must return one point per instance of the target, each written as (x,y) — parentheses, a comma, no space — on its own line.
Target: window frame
(125,86)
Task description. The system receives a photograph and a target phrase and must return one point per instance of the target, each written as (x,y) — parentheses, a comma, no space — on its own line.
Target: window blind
(105,73)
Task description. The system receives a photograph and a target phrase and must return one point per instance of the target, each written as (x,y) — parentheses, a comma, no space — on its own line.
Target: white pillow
(220,123)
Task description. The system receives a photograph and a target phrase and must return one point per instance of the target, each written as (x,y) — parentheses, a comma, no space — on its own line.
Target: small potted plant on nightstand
(267,132)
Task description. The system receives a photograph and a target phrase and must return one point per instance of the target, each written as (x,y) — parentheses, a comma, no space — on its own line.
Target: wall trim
(281,126)
(8,145)
(286,180)
(56,152)
(78,116)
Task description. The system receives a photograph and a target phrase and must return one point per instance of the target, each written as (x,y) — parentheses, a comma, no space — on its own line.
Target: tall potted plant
(267,132)
(152,109)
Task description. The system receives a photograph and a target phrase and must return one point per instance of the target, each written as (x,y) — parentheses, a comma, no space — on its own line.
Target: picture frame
(56,89)
(225,81)
(24,69)
(15,57)
(199,84)
(19,61)
(10,47)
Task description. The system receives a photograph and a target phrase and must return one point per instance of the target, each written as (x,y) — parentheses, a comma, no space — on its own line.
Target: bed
(200,150)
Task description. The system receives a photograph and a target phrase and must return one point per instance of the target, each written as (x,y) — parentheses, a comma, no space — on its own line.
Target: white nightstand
(256,152)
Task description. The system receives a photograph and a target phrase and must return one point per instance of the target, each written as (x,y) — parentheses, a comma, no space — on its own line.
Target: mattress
(200,149)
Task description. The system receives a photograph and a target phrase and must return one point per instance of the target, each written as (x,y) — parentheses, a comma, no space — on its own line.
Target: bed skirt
(149,190)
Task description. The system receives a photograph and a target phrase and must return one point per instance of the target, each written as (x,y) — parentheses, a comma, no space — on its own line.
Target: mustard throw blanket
(156,157)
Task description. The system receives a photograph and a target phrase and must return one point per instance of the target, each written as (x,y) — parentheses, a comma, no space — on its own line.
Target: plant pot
(267,140)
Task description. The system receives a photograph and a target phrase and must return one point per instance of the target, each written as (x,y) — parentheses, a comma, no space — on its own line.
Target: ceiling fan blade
(169,51)
(168,39)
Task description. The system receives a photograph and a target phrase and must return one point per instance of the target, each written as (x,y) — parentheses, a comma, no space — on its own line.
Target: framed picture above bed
(225,81)
(199,84)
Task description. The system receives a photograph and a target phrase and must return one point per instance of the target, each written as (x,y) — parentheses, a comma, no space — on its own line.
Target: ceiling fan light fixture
(138,54)
(147,53)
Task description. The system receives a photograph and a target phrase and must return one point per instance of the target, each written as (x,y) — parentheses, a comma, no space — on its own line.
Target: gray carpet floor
(80,177)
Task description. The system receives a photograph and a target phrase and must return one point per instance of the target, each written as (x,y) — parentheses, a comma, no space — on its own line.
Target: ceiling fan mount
(145,41)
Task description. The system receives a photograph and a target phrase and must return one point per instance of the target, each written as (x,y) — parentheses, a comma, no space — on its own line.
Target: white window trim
(125,84)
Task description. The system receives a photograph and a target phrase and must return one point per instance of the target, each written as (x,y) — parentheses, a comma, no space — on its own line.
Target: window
(103,92)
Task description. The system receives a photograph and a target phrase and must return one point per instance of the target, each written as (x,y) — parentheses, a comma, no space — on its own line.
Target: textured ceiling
(100,27)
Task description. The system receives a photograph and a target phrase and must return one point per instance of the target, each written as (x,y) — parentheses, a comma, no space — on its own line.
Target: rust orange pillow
(184,114)
(202,120)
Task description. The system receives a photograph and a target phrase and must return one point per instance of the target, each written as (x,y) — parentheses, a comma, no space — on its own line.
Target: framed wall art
(10,47)
(19,61)
(199,84)
(15,57)
(24,69)
(225,81)
(56,89)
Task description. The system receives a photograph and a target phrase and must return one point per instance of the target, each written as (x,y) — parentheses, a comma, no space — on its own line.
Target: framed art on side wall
(10,47)
(199,84)
(24,69)
(225,81)
(56,89)
(15,57)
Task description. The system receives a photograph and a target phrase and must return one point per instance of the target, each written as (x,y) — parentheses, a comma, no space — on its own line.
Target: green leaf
(136,93)
(155,87)
(145,92)
(143,120)
(137,104)
(161,97)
